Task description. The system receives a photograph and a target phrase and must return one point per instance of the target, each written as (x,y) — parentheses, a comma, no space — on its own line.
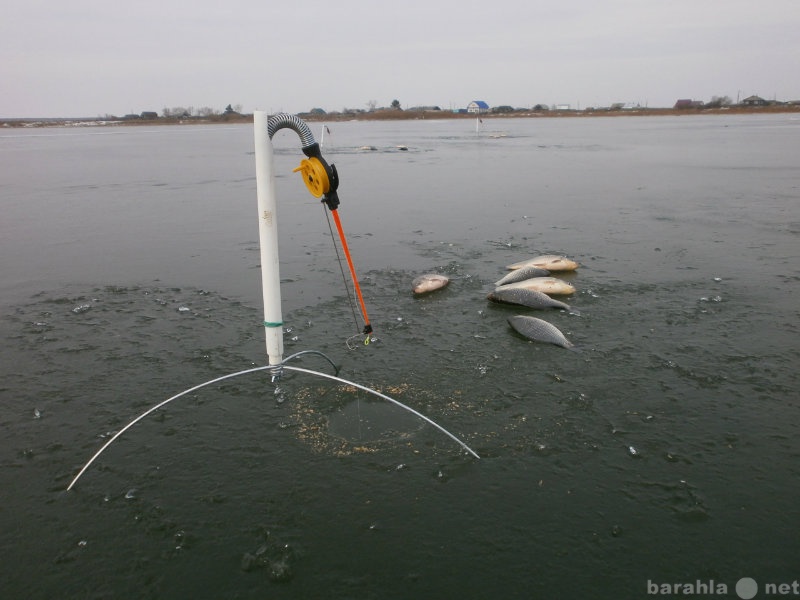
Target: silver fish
(524,297)
(551,262)
(429,282)
(547,285)
(538,330)
(521,274)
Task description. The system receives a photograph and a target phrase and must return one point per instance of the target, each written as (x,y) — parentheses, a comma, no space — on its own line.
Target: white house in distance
(477,107)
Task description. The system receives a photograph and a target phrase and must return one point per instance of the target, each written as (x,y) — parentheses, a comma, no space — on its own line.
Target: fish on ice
(539,330)
(525,297)
(522,274)
(429,282)
(547,285)
(551,262)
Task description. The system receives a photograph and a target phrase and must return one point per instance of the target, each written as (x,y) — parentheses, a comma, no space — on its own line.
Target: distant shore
(400,115)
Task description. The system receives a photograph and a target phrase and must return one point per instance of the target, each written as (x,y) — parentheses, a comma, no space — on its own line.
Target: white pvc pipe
(268,239)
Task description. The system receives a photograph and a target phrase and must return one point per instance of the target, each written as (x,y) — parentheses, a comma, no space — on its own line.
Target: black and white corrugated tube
(293,122)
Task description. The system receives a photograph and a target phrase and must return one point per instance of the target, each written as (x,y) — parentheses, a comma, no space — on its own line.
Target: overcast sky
(85,58)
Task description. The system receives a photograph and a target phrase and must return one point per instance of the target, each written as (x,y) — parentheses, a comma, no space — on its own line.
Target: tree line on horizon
(372,106)
(715,102)
(204,111)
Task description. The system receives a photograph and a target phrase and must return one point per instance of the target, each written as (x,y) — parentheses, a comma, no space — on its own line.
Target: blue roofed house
(477,107)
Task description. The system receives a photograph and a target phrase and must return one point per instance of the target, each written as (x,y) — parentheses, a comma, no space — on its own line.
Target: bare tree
(717,101)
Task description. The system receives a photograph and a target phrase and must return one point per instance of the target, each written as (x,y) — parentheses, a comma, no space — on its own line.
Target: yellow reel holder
(315,176)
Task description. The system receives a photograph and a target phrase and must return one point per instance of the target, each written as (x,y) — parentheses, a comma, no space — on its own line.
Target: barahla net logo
(746,588)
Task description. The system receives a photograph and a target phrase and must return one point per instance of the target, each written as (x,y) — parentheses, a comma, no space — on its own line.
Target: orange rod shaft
(350,264)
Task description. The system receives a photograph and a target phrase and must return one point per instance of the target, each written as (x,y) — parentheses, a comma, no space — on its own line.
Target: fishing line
(358,416)
(344,277)
(343,238)
(362,339)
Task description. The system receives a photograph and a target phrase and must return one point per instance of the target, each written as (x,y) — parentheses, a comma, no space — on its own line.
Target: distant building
(477,107)
(149,115)
(688,103)
(754,101)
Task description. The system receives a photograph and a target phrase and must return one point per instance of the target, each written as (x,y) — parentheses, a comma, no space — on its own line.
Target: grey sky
(95,57)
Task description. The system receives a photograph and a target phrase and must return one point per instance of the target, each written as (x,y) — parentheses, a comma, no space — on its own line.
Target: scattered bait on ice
(429,282)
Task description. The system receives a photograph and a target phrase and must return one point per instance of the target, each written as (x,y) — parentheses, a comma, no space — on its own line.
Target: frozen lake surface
(663,449)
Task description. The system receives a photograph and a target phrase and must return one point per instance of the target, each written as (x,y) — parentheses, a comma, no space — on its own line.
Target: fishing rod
(322,180)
